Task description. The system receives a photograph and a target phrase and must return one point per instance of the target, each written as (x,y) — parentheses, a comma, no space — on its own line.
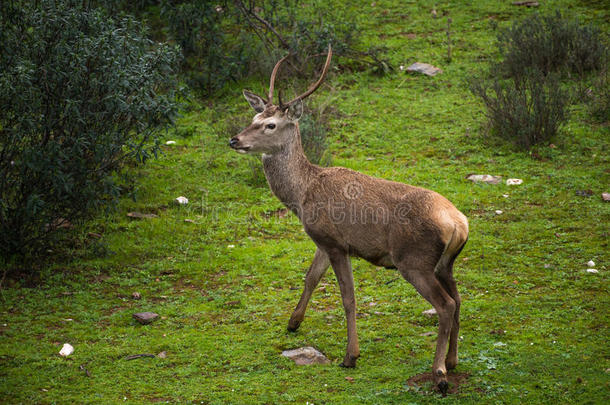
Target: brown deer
(347,213)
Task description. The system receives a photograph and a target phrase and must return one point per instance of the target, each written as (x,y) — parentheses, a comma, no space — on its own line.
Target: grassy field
(535,324)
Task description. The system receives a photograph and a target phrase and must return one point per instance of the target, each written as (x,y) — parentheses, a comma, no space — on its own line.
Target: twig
(82,367)
(391,281)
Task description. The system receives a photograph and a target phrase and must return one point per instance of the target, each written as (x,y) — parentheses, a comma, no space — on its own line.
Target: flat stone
(424,68)
(606,196)
(484,178)
(145,317)
(430,312)
(306,355)
(592,271)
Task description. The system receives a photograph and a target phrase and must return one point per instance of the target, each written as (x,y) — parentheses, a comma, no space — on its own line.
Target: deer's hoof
(293,326)
(443,386)
(349,361)
(451,363)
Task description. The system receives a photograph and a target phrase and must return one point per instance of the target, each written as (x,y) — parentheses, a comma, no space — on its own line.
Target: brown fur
(347,213)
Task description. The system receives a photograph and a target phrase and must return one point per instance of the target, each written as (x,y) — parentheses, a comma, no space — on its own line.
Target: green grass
(224,309)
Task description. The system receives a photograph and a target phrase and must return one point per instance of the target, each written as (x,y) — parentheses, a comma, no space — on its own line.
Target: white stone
(182,200)
(499,212)
(66,350)
(231,246)
(591,263)
(485,178)
(592,271)
(170,142)
(513,182)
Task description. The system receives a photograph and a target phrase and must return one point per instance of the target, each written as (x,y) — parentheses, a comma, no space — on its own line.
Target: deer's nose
(233,142)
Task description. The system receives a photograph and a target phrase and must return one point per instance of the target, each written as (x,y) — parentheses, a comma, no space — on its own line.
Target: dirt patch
(426,381)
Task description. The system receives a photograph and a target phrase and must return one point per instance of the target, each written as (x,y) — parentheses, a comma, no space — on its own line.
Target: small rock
(370,158)
(170,142)
(139,215)
(584,193)
(190,221)
(606,196)
(513,182)
(306,355)
(182,200)
(592,271)
(547,266)
(66,350)
(484,178)
(231,246)
(136,295)
(505,195)
(424,68)
(498,212)
(591,263)
(350,379)
(430,312)
(145,317)
(162,355)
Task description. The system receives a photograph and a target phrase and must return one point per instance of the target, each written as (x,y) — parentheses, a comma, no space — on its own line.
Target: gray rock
(145,317)
(484,178)
(430,312)
(306,355)
(424,68)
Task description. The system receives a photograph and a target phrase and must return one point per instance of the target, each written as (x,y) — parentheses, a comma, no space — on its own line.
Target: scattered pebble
(306,355)
(182,200)
(370,158)
(231,246)
(430,312)
(66,350)
(606,196)
(350,379)
(505,195)
(136,295)
(591,263)
(592,271)
(145,317)
(170,142)
(513,182)
(547,266)
(499,212)
(484,178)
(190,221)
(162,355)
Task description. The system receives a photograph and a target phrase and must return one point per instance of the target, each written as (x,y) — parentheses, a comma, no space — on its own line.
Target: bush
(81,93)
(550,44)
(526,111)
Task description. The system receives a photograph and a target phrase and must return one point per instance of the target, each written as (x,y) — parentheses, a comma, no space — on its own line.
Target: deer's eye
(270,126)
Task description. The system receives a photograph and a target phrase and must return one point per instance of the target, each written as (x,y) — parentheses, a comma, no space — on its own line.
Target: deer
(347,213)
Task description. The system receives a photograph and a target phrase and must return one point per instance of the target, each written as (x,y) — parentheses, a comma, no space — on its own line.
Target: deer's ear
(295,109)
(255,101)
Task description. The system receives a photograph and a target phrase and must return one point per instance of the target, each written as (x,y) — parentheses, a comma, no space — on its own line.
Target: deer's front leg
(318,267)
(343,270)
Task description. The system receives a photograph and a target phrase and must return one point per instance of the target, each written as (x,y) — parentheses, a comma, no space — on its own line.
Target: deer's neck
(288,172)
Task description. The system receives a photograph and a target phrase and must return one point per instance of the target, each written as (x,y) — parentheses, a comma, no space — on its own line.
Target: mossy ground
(534,323)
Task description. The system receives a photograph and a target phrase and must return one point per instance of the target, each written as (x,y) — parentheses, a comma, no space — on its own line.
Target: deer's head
(273,125)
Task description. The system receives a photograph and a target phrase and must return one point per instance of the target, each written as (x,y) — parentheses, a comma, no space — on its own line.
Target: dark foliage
(80,94)
(526,111)
(524,97)
(224,41)
(550,43)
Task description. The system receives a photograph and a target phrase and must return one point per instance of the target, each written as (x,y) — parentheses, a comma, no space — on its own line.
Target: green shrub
(550,43)
(526,111)
(81,93)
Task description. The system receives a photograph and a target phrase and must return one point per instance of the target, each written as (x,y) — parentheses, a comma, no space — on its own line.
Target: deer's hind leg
(419,271)
(317,269)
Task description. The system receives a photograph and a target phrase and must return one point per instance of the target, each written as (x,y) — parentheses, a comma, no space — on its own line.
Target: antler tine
(281,104)
(317,84)
(272,80)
